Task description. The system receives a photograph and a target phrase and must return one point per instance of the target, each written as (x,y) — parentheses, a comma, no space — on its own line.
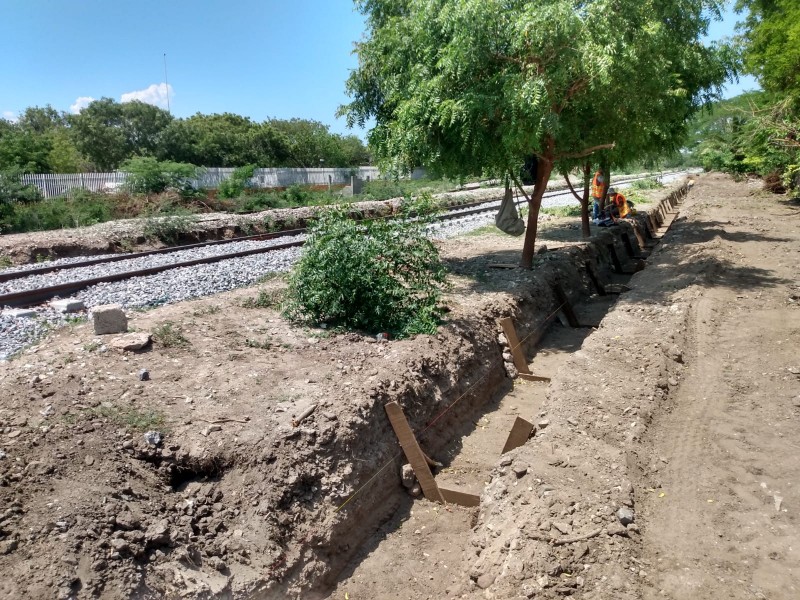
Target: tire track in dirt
(726,526)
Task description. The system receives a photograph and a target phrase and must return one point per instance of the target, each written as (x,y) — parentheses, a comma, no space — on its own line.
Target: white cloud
(155,94)
(80,103)
(9,115)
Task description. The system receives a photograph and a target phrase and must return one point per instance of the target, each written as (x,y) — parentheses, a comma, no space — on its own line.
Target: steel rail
(43,270)
(36,296)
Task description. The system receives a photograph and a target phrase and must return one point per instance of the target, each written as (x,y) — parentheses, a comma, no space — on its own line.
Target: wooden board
(513,341)
(413,452)
(529,377)
(460,498)
(519,434)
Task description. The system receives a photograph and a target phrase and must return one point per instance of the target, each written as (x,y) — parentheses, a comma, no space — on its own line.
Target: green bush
(169,228)
(146,175)
(649,183)
(83,209)
(376,276)
(235,185)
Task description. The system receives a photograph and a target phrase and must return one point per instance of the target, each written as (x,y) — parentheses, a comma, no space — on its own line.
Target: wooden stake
(513,341)
(460,498)
(413,452)
(529,377)
(519,434)
(601,290)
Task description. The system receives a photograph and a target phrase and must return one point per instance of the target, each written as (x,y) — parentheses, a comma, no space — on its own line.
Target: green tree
(146,175)
(471,86)
(108,132)
(771,39)
(224,140)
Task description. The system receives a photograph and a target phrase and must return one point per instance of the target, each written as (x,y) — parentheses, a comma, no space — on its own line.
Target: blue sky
(267,58)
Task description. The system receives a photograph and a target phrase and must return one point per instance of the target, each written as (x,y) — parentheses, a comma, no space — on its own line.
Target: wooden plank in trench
(519,434)
(513,341)
(413,452)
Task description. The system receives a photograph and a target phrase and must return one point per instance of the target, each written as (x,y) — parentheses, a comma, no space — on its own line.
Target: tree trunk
(545,167)
(587,180)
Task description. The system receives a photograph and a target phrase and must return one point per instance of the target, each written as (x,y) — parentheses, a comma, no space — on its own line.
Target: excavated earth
(663,462)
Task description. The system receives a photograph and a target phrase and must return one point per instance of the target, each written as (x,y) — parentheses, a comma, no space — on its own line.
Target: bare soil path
(728,525)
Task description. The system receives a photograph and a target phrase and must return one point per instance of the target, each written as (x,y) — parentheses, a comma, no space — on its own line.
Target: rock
(416,491)
(408,477)
(144,375)
(216,563)
(625,515)
(120,545)
(68,305)
(154,438)
(2,454)
(673,382)
(20,313)
(130,342)
(506,461)
(210,429)
(543,424)
(89,460)
(8,546)
(127,521)
(157,534)
(562,527)
(520,470)
(109,318)
(485,580)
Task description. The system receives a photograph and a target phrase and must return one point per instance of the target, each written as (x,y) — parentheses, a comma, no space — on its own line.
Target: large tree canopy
(470,86)
(771,33)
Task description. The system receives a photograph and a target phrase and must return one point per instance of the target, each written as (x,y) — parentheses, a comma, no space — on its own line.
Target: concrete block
(68,305)
(109,318)
(20,312)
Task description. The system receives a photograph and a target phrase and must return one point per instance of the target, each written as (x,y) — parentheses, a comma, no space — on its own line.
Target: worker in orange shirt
(598,182)
(618,205)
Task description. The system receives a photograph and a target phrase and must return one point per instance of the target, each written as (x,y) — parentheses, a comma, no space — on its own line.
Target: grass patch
(170,335)
(649,183)
(265,299)
(92,346)
(170,228)
(261,345)
(211,309)
(485,230)
(130,418)
(571,210)
(5,262)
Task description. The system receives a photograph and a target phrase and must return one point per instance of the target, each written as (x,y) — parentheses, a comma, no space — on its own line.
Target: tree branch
(572,189)
(519,185)
(587,152)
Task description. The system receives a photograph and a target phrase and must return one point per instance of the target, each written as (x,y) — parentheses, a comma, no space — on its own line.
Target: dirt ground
(675,403)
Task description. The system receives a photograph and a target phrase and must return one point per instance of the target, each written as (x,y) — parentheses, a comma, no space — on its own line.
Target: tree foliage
(106,133)
(771,38)
(146,175)
(471,86)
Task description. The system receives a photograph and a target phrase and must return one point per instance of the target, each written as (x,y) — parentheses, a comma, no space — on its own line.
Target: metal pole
(166,82)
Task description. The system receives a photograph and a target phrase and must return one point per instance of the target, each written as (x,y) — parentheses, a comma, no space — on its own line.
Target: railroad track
(38,294)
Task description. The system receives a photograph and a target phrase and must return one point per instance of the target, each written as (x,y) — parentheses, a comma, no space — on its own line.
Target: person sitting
(618,206)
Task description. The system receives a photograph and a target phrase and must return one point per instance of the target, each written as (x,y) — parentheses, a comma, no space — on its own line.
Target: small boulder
(407,474)
(625,515)
(131,342)
(154,438)
(109,318)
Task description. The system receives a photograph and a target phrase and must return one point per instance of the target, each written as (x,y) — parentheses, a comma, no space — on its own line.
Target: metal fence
(58,184)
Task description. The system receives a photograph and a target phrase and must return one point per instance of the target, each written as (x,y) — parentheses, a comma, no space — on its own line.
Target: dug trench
(250,501)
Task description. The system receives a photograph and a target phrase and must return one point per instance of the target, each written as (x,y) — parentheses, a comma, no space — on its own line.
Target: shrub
(381,275)
(649,183)
(170,335)
(235,185)
(146,175)
(170,228)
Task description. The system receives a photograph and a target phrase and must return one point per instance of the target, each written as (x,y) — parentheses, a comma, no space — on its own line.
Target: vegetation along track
(39,291)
